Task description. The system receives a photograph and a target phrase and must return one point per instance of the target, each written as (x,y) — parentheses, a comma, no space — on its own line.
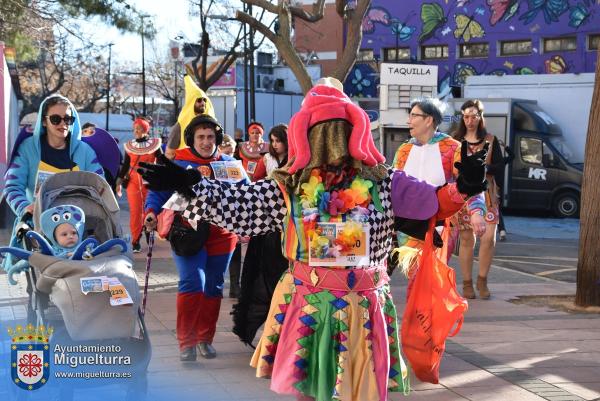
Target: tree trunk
(588,266)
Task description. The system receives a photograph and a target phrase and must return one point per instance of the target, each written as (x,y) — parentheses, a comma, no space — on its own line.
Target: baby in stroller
(62,228)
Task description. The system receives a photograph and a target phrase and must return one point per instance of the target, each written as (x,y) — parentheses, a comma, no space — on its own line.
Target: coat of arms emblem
(30,356)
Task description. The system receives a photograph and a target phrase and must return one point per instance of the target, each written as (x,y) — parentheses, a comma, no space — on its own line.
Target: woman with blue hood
(54,147)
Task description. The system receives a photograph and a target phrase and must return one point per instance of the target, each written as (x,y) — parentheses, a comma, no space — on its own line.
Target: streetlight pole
(143,68)
(110,45)
(251,60)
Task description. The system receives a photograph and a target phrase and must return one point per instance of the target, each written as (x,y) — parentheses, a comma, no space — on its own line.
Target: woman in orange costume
(251,152)
(140,149)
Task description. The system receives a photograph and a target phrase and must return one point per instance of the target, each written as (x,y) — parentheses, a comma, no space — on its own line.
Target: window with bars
(594,41)
(515,48)
(560,44)
(434,52)
(400,96)
(365,55)
(390,54)
(473,50)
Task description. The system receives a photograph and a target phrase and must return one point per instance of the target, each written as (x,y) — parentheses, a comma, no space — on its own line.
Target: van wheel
(566,204)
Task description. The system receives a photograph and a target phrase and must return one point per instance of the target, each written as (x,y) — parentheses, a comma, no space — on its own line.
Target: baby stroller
(56,297)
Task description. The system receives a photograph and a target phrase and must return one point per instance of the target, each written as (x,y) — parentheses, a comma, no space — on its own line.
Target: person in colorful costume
(332,330)
(54,147)
(140,149)
(431,156)
(472,132)
(252,151)
(201,275)
(196,103)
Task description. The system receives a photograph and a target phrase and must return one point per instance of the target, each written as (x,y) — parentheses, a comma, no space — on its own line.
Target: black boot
(235,267)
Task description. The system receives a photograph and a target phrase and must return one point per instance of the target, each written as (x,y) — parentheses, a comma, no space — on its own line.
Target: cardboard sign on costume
(358,255)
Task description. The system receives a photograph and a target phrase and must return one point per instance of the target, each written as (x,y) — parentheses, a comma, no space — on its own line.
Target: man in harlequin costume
(430,156)
(201,275)
(196,103)
(332,329)
(141,148)
(254,149)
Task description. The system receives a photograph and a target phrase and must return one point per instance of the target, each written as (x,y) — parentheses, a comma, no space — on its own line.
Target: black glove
(168,176)
(471,171)
(417,229)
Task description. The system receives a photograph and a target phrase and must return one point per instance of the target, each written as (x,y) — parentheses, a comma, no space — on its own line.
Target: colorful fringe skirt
(332,334)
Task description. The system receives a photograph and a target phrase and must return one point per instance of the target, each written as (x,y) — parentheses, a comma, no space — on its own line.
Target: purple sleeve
(412,198)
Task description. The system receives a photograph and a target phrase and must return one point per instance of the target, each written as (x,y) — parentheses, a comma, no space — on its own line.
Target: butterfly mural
(461,72)
(502,9)
(361,81)
(433,18)
(579,15)
(375,15)
(467,28)
(552,10)
(402,29)
(556,65)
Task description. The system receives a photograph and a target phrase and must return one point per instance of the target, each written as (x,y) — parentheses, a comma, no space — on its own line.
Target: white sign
(409,74)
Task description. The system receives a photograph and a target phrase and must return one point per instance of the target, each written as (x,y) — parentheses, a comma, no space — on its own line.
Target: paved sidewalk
(505,351)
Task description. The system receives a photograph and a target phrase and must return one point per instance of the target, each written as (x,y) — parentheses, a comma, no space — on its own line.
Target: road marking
(528,263)
(538,257)
(535,245)
(548,272)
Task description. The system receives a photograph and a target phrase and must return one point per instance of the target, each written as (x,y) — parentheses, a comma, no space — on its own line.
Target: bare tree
(588,265)
(352,14)
(204,76)
(76,73)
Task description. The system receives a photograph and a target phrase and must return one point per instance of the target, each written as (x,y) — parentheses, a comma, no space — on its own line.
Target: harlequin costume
(250,154)
(201,276)
(433,163)
(137,150)
(332,330)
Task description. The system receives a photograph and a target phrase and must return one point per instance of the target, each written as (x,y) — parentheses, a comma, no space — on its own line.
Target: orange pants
(136,196)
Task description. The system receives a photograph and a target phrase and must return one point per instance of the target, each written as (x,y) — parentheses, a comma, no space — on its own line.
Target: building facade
(477,37)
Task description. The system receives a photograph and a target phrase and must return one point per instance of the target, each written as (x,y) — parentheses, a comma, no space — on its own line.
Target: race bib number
(331,248)
(118,293)
(229,171)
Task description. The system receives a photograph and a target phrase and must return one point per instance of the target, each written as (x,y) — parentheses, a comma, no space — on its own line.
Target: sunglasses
(55,119)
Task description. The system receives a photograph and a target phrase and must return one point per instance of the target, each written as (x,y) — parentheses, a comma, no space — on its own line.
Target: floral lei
(326,195)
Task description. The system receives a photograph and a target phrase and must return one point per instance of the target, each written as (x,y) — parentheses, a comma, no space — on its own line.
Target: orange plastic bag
(433,308)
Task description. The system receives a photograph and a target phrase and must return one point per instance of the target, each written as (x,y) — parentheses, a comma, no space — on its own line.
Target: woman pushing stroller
(54,147)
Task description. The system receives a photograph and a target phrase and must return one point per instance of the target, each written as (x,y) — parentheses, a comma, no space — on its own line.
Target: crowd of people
(305,197)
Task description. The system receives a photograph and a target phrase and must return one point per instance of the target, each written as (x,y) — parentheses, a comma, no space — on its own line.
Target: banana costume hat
(192,92)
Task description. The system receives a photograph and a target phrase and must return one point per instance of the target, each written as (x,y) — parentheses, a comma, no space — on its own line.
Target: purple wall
(451,22)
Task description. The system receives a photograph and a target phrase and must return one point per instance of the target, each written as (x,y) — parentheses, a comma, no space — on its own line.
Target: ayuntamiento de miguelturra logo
(30,355)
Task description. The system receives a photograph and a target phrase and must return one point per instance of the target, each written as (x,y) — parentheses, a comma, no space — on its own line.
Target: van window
(531,150)
(549,153)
